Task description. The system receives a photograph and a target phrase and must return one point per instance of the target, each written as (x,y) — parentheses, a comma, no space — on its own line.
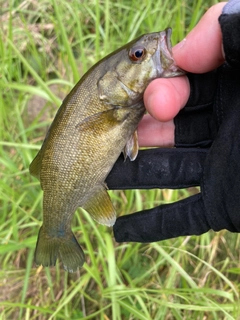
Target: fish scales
(95,123)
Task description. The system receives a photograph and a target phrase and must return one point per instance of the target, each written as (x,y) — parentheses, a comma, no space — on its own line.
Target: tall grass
(45,47)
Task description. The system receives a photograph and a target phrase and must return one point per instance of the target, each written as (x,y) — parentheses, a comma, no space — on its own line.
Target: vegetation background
(45,47)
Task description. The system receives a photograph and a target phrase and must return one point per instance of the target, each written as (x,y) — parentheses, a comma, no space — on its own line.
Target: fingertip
(201,50)
(164,98)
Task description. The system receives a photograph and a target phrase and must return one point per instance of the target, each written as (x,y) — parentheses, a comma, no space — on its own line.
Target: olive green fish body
(96,122)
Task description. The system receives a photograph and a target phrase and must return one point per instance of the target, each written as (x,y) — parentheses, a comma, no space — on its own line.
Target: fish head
(135,65)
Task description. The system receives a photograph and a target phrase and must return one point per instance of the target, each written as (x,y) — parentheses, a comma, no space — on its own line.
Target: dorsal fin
(35,166)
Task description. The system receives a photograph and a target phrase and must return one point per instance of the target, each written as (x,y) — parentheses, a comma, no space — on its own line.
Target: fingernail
(179,45)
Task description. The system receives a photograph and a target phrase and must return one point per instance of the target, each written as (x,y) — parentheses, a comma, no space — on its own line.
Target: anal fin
(100,207)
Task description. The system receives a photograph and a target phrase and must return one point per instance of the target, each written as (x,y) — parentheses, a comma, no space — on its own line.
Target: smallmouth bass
(95,123)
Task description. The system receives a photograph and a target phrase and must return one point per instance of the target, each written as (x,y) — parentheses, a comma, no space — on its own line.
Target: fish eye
(137,53)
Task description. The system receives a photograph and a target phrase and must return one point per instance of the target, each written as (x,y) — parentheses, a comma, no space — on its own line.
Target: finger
(230,26)
(182,218)
(159,168)
(163,98)
(201,50)
(194,125)
(154,133)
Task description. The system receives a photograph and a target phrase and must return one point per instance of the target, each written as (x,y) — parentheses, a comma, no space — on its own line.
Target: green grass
(45,47)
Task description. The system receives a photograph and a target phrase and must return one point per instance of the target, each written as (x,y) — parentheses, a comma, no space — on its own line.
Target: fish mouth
(167,67)
(168,33)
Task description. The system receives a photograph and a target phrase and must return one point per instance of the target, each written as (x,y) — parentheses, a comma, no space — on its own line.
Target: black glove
(207,138)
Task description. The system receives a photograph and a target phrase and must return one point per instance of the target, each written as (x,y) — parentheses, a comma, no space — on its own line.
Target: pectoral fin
(100,207)
(104,119)
(131,147)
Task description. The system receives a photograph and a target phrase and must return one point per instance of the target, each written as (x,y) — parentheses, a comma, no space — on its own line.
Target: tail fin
(66,248)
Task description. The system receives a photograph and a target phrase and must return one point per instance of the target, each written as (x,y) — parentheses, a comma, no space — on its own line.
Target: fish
(95,123)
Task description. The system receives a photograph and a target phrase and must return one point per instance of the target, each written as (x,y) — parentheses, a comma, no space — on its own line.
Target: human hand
(210,118)
(200,52)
